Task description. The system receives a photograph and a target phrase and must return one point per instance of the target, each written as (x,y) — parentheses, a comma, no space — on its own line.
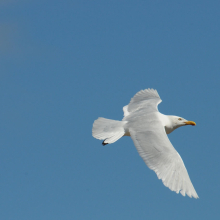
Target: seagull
(148,129)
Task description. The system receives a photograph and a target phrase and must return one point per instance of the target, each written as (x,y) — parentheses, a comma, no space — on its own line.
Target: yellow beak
(190,123)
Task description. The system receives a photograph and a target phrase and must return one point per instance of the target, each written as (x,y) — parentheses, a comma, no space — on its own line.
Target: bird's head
(179,121)
(175,122)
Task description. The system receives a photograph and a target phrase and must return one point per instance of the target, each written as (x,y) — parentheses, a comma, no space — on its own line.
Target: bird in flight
(148,128)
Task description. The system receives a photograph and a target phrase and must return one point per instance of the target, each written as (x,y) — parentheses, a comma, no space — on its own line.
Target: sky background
(63,64)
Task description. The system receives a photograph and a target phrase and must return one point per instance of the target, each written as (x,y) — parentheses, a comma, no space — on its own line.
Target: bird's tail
(108,130)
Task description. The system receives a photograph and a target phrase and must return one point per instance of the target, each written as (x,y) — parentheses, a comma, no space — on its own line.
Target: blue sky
(65,63)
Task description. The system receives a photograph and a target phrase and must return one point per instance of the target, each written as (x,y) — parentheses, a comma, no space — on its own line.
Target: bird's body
(148,129)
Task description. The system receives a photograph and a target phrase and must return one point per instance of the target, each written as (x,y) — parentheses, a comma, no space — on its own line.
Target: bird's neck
(168,123)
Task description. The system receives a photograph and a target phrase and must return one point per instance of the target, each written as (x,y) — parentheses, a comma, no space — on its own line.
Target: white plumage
(148,129)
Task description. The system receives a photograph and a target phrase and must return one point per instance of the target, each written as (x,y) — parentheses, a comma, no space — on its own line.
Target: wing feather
(158,153)
(147,97)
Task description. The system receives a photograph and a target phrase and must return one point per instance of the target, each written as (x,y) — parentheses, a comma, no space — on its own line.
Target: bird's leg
(104,143)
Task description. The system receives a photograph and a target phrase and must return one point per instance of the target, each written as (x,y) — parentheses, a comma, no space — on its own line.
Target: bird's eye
(179,119)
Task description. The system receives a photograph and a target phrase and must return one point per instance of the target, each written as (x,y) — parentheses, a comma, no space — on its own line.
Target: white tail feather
(108,130)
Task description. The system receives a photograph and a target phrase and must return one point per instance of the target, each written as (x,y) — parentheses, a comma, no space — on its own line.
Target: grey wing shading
(158,153)
(148,98)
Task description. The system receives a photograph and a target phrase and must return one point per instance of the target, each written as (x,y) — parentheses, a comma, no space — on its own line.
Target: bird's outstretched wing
(145,98)
(158,153)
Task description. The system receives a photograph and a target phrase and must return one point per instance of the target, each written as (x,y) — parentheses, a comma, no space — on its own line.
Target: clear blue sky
(65,63)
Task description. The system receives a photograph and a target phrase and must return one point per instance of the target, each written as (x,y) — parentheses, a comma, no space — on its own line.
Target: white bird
(148,128)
